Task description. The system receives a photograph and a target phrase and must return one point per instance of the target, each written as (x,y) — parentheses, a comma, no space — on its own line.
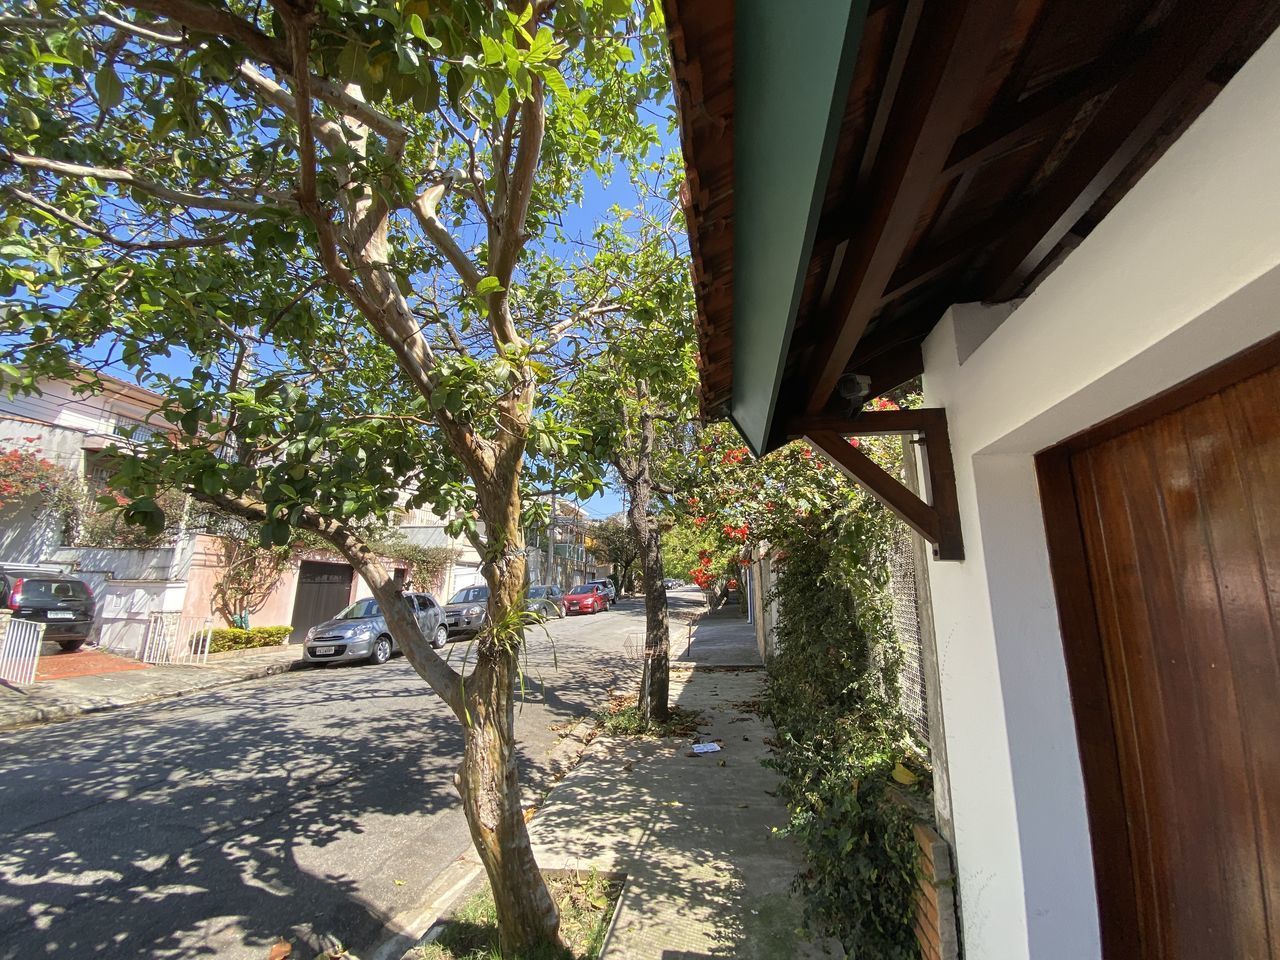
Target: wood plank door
(1170,603)
(324,589)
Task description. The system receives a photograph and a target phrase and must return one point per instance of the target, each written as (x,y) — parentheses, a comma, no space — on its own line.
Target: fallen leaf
(399,883)
(282,949)
(903,775)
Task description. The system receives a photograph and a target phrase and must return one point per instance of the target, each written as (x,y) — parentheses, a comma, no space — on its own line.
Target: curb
(27,716)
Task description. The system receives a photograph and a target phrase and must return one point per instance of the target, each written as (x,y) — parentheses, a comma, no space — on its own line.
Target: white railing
(174,639)
(19,650)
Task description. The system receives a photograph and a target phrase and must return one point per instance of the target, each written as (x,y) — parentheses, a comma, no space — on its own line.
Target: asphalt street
(310,805)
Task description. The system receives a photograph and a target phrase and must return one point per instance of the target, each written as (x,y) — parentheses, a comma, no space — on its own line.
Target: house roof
(122,388)
(970,147)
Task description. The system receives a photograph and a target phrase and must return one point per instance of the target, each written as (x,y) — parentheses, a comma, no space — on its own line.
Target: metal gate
(19,650)
(174,639)
(323,590)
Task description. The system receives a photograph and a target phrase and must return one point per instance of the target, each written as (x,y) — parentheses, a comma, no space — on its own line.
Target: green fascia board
(793,63)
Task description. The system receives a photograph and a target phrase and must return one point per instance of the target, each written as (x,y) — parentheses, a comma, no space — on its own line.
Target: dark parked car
(466,611)
(546,601)
(360,632)
(586,598)
(62,603)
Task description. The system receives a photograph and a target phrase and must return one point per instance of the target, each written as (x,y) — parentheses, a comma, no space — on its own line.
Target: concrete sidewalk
(706,877)
(71,696)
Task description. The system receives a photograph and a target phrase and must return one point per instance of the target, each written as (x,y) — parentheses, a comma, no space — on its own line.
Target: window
(133,429)
(361,610)
(471,595)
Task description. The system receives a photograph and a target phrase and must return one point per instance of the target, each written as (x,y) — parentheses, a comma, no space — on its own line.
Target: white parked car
(610,591)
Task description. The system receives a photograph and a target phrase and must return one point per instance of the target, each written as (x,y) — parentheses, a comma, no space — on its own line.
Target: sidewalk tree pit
(330,235)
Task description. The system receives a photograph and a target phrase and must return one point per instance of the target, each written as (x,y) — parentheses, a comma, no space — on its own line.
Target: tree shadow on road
(188,828)
(214,824)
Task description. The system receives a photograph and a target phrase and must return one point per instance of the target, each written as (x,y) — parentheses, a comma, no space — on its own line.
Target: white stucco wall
(1184,273)
(57,403)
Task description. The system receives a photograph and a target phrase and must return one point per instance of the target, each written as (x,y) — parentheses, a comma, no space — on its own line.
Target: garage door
(323,590)
(1170,602)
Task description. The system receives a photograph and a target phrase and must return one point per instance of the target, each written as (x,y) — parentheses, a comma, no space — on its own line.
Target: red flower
(699,521)
(855,442)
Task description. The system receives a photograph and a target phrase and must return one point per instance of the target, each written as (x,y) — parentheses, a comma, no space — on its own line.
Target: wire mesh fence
(906,624)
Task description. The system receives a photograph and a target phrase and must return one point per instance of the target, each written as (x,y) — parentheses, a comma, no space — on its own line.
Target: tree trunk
(655,681)
(490,789)
(487,779)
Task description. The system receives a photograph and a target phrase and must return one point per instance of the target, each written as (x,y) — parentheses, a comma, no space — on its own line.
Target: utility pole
(551,578)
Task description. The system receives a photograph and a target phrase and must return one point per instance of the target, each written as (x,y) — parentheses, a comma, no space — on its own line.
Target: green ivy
(833,698)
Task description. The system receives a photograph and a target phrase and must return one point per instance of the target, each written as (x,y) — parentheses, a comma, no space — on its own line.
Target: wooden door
(324,589)
(1169,590)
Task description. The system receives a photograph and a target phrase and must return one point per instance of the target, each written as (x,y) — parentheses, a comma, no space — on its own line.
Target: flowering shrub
(24,473)
(102,522)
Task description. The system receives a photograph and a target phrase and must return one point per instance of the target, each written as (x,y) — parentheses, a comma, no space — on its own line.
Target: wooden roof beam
(1194,38)
(1039,114)
(889,91)
(935,261)
(937,519)
(947,63)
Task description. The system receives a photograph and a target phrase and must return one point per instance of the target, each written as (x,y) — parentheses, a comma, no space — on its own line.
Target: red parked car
(585,598)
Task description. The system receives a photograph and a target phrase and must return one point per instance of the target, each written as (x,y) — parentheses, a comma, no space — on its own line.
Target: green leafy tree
(638,399)
(328,234)
(612,541)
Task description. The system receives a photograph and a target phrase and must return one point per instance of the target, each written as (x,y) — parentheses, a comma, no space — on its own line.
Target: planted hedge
(234,638)
(844,750)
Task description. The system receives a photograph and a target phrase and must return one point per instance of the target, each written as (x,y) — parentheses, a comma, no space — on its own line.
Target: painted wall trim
(792,69)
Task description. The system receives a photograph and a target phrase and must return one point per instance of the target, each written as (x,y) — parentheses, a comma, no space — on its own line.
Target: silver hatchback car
(360,632)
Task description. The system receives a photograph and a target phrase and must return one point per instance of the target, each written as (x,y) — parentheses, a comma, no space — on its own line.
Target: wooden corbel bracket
(936,518)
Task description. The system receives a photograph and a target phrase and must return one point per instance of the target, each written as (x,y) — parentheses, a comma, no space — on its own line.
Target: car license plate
(61,614)
(322,651)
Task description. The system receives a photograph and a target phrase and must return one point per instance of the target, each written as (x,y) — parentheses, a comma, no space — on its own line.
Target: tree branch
(197,201)
(204,18)
(424,209)
(520,187)
(327,130)
(584,315)
(105,236)
(446,681)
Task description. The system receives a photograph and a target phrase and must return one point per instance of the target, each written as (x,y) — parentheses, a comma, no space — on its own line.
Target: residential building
(178,576)
(557,553)
(1064,216)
